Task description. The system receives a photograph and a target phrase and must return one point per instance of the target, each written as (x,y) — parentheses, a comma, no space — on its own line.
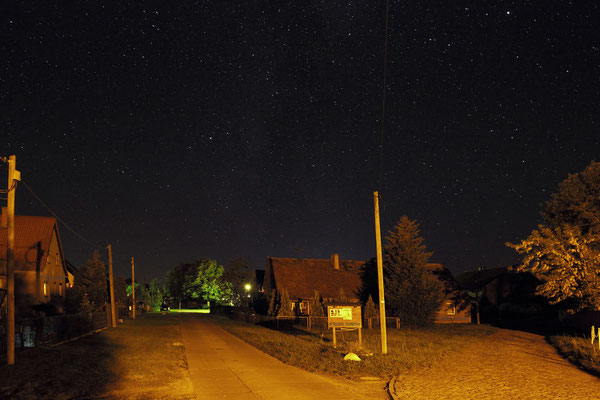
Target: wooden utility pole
(113,303)
(380,276)
(132,289)
(13,177)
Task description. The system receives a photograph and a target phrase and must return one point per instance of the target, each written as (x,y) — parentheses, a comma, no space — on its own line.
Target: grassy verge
(139,359)
(579,351)
(407,348)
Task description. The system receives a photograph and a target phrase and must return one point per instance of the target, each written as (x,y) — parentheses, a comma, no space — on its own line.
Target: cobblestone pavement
(510,365)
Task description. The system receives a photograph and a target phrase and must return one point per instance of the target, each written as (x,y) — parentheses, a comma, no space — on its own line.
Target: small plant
(316,306)
(273,303)
(370,310)
(341,297)
(285,308)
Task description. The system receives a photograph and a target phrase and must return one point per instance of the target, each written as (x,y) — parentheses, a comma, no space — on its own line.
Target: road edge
(392,388)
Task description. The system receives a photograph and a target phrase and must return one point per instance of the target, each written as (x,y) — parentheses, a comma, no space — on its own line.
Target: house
(502,291)
(41,274)
(302,276)
(455,309)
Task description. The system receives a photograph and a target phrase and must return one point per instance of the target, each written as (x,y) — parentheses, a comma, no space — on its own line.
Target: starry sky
(227,129)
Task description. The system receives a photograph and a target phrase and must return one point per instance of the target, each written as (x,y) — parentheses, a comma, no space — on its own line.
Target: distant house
(502,290)
(499,284)
(41,274)
(454,309)
(302,276)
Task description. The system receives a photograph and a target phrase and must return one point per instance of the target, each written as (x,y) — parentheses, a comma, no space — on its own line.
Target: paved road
(511,365)
(224,367)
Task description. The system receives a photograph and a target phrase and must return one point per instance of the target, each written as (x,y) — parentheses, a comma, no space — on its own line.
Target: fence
(44,331)
(305,321)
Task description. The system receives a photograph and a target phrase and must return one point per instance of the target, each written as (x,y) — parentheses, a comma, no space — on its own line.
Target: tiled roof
(301,277)
(28,232)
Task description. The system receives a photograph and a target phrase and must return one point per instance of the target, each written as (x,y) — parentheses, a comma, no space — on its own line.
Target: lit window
(450,308)
(45,288)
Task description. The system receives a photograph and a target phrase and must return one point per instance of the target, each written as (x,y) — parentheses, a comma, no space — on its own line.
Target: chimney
(4,218)
(335,260)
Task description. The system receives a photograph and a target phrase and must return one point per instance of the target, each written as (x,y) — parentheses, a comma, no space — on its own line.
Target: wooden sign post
(345,316)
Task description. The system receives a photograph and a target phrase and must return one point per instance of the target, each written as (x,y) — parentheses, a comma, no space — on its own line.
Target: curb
(392,388)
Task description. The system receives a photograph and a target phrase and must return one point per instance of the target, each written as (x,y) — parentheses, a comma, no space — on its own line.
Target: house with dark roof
(302,276)
(41,274)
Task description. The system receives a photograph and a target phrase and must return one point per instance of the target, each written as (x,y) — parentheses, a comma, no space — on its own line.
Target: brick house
(302,276)
(41,275)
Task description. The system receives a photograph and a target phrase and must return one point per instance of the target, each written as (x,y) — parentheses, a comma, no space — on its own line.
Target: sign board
(344,316)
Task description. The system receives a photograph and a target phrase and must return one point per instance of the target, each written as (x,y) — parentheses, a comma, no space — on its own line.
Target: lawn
(579,350)
(140,359)
(408,349)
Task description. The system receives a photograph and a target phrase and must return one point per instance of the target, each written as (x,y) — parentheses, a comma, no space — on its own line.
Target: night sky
(178,130)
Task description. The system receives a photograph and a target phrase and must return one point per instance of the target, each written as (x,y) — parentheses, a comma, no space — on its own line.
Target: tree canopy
(92,281)
(564,252)
(200,280)
(577,202)
(239,274)
(412,291)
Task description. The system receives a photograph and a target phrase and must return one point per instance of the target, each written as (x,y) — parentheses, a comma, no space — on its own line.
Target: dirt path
(510,365)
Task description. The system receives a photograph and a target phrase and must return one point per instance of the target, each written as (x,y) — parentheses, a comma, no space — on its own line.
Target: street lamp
(247,286)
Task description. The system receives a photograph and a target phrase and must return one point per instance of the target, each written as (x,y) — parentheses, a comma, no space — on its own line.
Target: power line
(58,218)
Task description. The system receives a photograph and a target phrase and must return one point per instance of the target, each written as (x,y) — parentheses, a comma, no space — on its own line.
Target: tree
(285,309)
(316,306)
(577,202)
(178,278)
(92,281)
(564,252)
(273,303)
(156,294)
(208,283)
(120,289)
(239,274)
(412,291)
(567,264)
(370,311)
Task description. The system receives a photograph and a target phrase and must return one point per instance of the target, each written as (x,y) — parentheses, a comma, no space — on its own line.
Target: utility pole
(132,289)
(13,177)
(113,303)
(380,276)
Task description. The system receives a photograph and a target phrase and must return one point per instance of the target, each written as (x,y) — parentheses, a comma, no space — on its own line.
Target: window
(60,289)
(45,288)
(450,308)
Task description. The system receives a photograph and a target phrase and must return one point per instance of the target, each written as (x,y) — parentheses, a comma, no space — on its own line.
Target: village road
(511,365)
(224,367)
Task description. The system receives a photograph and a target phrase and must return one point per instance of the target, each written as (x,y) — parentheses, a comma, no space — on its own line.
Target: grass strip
(578,350)
(408,349)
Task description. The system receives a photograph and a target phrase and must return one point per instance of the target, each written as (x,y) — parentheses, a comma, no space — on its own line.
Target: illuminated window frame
(450,309)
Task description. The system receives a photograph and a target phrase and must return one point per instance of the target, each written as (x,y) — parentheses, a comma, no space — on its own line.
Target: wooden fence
(306,321)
